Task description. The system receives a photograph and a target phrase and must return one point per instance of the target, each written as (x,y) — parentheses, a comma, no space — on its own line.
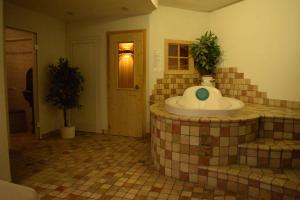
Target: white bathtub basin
(203,101)
(11,191)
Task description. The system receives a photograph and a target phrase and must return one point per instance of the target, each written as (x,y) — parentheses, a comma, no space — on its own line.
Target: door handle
(137,87)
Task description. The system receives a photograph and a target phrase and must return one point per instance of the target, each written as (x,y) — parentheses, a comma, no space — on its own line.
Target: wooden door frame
(35,79)
(108,34)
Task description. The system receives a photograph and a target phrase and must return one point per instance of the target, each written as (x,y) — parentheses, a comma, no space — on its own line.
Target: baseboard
(54,133)
(105,131)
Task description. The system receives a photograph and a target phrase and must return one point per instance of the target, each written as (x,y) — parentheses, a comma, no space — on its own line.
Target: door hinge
(36,47)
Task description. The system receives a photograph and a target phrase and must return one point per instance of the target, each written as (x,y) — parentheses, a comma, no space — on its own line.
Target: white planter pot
(67,132)
(208,81)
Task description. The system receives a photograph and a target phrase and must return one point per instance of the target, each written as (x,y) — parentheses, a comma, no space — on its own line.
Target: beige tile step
(256,183)
(280,125)
(269,153)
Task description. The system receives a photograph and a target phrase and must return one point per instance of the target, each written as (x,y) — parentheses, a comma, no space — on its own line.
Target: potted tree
(66,84)
(207,54)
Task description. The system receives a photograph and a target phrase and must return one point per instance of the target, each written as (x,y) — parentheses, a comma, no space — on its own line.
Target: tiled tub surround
(233,84)
(209,142)
(172,85)
(229,81)
(208,149)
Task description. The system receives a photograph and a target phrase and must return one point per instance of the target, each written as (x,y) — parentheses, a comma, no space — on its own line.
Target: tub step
(269,153)
(251,182)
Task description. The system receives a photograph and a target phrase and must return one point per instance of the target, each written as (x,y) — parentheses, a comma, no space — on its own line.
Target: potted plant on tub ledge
(66,85)
(207,54)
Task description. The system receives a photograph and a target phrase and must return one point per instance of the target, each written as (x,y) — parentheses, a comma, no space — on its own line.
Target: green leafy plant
(206,53)
(66,84)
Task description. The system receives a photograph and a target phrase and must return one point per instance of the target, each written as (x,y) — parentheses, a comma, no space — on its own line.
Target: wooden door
(126,83)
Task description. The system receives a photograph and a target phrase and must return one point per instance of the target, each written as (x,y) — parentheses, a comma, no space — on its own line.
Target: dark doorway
(20,64)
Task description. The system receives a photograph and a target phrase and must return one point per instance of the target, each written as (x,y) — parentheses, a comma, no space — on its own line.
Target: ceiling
(72,10)
(198,5)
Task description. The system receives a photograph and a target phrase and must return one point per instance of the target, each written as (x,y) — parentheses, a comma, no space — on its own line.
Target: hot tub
(203,101)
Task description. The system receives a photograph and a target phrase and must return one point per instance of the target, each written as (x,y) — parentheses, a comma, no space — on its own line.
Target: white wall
(51,41)
(261,38)
(4,156)
(163,23)
(258,36)
(171,23)
(96,32)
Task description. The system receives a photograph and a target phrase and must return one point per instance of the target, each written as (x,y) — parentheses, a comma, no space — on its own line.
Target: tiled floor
(97,167)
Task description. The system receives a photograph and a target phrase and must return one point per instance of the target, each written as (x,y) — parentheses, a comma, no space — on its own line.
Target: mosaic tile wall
(207,153)
(179,147)
(172,85)
(228,80)
(234,84)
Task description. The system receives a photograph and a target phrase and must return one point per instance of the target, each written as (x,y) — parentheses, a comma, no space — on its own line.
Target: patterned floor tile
(97,167)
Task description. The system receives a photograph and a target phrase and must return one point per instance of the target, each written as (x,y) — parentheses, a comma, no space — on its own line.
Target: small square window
(184,64)
(177,57)
(173,50)
(184,50)
(173,63)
